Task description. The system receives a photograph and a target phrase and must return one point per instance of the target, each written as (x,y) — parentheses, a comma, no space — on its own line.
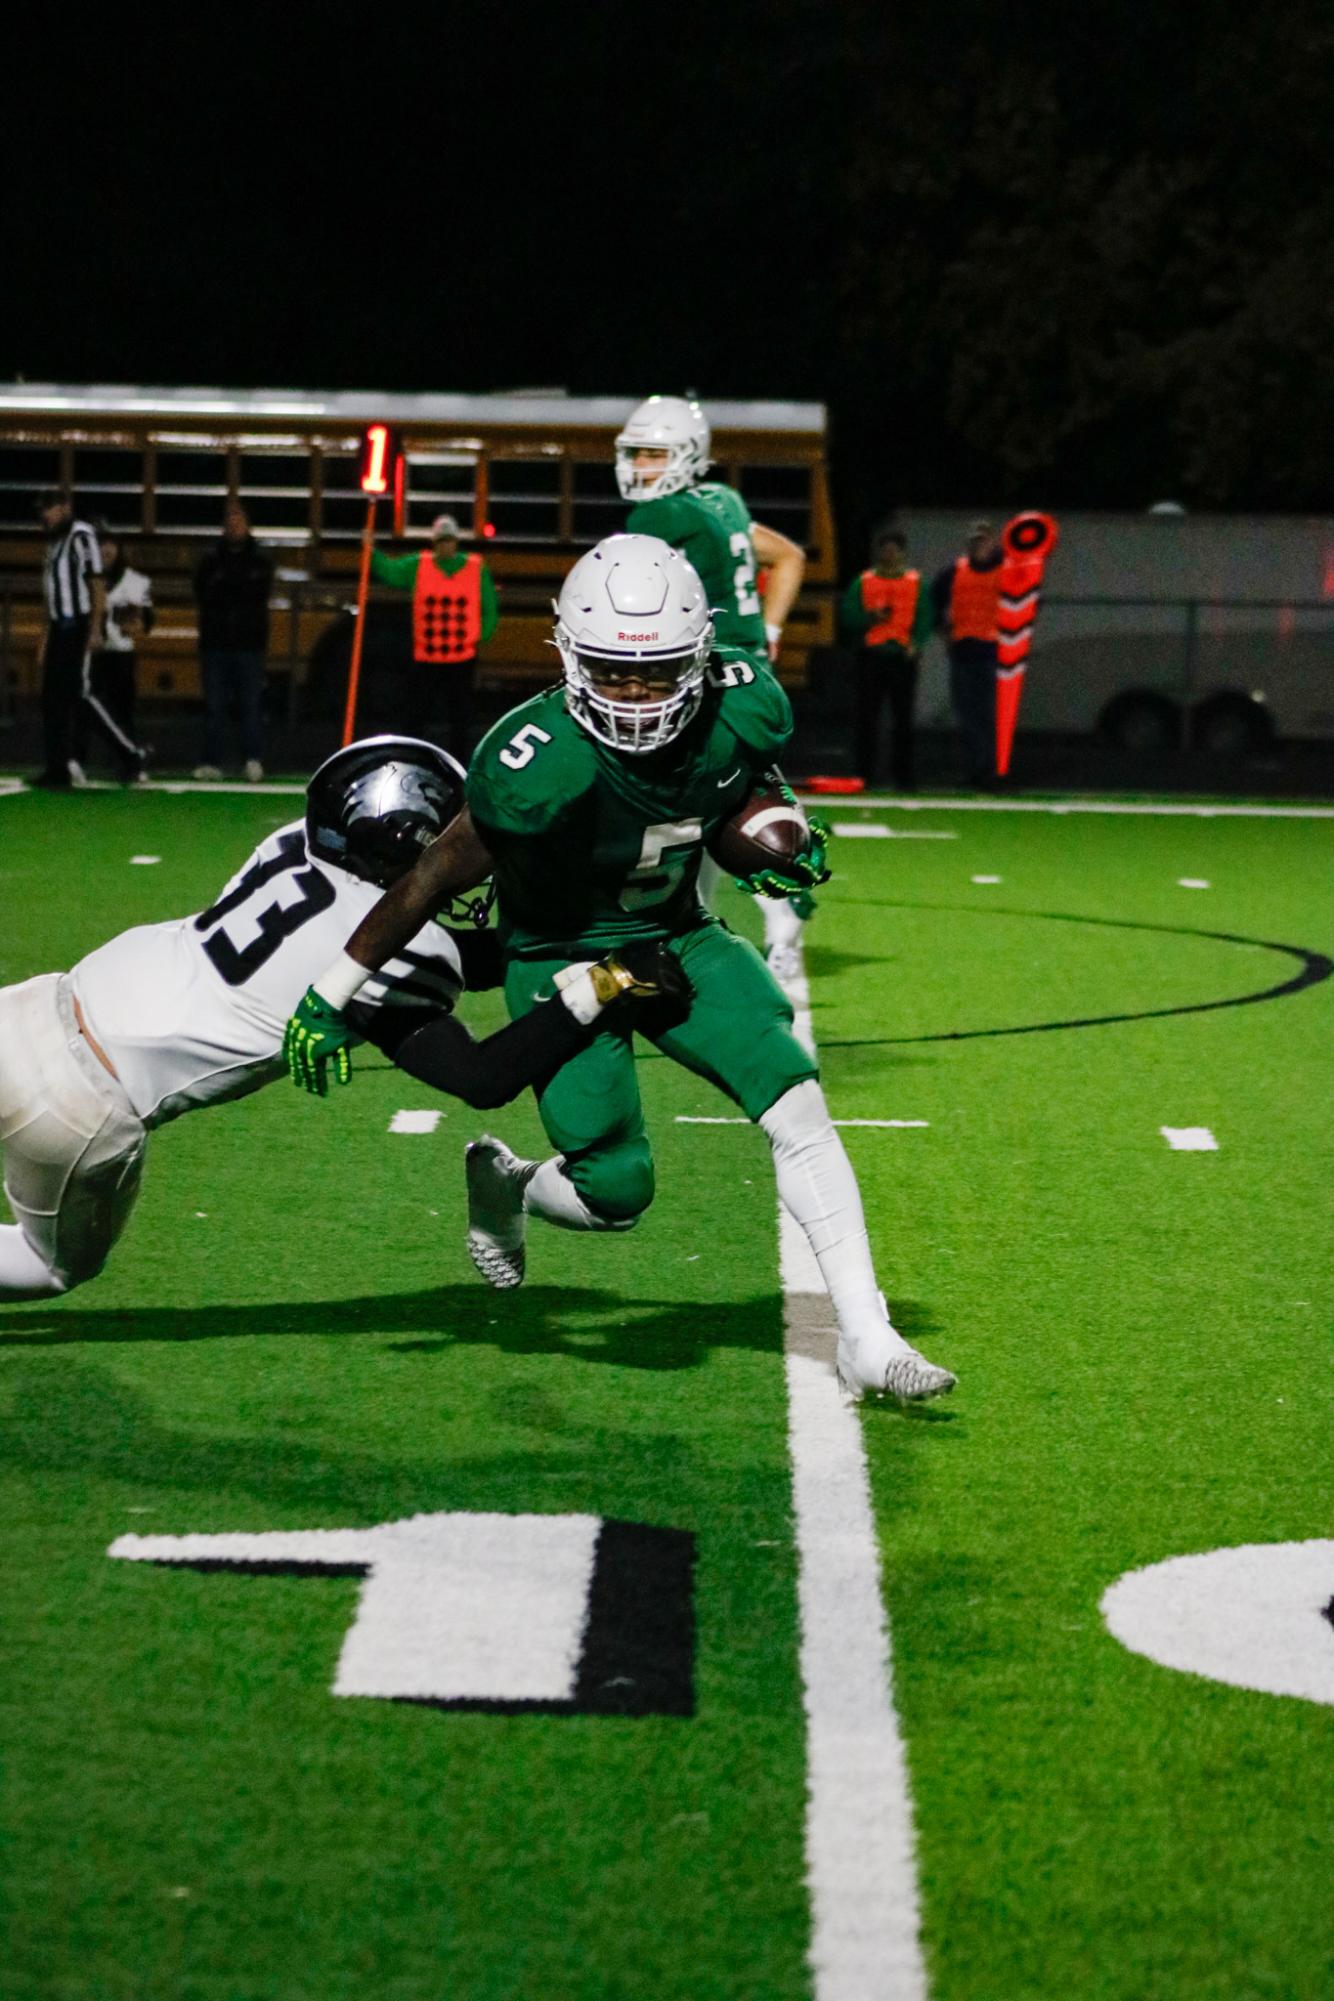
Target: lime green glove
(803,873)
(317,1035)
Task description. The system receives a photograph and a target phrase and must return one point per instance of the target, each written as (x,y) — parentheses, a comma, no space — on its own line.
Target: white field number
(664,856)
(453,1607)
(522,746)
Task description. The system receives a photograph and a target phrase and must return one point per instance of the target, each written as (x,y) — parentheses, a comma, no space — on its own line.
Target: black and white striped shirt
(71,560)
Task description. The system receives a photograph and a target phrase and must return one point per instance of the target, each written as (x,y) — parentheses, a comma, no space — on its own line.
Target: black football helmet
(373,807)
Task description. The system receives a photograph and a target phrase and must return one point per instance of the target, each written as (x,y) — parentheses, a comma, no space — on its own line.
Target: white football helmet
(674,424)
(633,609)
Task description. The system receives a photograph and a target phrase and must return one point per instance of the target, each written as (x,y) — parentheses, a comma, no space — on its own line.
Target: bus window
(439,483)
(274,489)
(25,470)
(780,496)
(598,507)
(523,499)
(191,491)
(343,508)
(108,486)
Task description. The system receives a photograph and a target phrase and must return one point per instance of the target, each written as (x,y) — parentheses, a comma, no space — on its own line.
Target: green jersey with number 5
(711,525)
(593,847)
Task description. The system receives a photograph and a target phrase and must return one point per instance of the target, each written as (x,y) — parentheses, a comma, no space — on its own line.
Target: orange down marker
(1028,540)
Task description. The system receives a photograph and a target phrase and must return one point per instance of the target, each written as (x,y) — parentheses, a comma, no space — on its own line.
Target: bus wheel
(1141,721)
(1231,725)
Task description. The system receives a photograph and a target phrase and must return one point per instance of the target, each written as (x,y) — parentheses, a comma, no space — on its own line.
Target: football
(768,831)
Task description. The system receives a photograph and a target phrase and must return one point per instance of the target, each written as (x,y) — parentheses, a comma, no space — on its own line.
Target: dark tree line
(1078,256)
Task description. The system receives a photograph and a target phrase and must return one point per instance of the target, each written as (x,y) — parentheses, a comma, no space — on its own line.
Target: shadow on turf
(67,1416)
(585,1323)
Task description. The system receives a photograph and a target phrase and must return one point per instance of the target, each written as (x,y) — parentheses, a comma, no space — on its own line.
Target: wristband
(346,977)
(773,633)
(575,986)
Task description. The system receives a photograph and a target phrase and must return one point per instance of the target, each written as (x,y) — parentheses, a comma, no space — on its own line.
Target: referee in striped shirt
(76,602)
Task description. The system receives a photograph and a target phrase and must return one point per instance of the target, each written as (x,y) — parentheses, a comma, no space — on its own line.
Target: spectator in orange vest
(890,617)
(454,612)
(965,594)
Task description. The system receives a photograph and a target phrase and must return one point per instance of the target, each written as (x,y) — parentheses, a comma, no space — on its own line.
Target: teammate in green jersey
(592,805)
(662,456)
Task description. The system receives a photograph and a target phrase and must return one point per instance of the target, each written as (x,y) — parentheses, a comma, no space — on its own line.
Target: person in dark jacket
(232,584)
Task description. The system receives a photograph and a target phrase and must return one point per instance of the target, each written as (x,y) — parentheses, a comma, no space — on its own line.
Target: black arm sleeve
(485,1074)
(481,958)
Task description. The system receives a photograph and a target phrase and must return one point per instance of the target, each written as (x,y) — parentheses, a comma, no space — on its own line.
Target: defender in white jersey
(170,1017)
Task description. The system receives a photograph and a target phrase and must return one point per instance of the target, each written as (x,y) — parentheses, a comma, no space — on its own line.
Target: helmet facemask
(635,727)
(672,425)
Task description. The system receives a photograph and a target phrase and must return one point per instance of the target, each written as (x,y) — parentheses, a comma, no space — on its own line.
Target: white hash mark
(415,1122)
(1189,1139)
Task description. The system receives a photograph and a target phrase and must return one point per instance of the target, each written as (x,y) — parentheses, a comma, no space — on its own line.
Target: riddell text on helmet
(640,638)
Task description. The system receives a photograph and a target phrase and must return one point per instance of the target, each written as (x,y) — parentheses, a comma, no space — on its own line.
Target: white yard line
(686,1119)
(850,802)
(861,1866)
(876,830)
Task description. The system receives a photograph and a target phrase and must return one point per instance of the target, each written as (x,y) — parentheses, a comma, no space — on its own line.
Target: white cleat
(496,1219)
(879,1362)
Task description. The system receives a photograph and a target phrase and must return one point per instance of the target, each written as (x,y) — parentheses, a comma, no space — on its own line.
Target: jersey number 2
(743,577)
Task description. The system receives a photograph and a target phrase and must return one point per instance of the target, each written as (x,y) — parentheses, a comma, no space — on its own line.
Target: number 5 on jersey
(663,859)
(522,746)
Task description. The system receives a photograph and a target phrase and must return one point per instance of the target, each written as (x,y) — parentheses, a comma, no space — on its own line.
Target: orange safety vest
(895,598)
(973,601)
(446,611)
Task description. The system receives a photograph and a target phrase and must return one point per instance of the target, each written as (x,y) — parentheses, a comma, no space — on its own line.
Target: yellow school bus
(528,474)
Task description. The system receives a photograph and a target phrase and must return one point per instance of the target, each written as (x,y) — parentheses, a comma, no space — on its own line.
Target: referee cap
(445,527)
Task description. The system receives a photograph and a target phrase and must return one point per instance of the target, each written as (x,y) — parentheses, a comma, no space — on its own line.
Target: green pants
(738,1034)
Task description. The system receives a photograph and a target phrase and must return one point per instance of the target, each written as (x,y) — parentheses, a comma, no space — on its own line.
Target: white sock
(552,1195)
(819,1190)
(23,1275)
(782,926)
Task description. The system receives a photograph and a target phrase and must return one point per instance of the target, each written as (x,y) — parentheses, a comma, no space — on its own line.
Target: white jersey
(193,1011)
(130,593)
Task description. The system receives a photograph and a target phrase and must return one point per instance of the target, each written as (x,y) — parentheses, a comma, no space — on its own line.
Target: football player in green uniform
(591,805)
(662,457)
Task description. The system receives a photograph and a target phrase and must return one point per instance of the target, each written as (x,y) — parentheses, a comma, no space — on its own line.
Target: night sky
(1025,256)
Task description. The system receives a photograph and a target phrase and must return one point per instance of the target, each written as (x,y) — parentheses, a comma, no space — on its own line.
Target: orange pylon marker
(1028,541)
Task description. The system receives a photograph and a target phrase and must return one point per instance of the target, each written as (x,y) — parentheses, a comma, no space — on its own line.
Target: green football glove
(317,1036)
(802,874)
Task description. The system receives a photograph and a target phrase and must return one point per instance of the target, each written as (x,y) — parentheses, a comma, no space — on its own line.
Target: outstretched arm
(319,1033)
(441,1052)
(456,860)
(485,1074)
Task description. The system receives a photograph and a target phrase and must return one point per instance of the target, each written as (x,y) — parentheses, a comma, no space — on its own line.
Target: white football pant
(72,1144)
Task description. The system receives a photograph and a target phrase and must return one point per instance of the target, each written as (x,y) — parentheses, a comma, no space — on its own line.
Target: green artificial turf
(291,1336)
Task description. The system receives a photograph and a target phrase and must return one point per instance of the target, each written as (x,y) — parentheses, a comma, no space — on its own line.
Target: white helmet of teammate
(633,612)
(673,424)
